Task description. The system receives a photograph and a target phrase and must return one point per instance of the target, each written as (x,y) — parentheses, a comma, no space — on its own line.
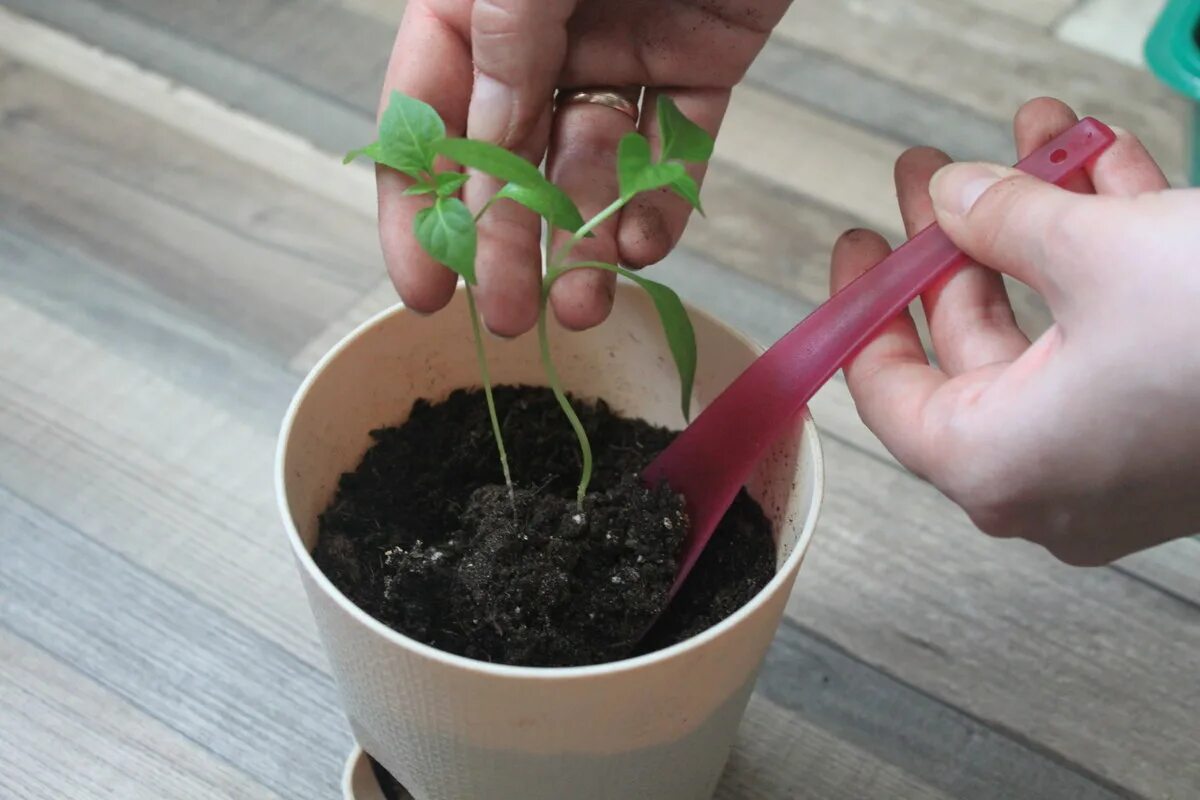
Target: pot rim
(304,557)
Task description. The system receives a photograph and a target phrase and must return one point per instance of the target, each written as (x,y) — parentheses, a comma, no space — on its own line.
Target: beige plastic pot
(450,728)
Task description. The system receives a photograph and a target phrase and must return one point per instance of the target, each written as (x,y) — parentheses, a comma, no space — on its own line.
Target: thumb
(518,47)
(1008,221)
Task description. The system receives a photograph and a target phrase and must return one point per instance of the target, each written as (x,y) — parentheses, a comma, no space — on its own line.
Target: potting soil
(425,536)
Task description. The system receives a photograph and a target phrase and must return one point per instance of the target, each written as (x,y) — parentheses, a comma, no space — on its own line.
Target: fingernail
(853,234)
(500,337)
(955,188)
(490,115)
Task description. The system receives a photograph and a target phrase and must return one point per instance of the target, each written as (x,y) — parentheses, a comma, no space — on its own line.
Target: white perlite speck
(616,578)
(577,519)
(667,523)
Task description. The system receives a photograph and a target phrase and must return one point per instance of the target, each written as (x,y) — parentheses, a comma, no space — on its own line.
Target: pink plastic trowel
(714,457)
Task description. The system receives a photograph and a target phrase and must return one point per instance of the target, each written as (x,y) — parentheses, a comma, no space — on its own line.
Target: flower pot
(450,728)
(1173,53)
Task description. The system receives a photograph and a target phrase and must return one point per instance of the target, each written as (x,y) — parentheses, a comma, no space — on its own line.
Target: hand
(490,68)
(1088,440)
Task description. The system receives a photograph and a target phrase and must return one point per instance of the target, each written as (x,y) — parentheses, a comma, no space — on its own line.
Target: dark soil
(424,536)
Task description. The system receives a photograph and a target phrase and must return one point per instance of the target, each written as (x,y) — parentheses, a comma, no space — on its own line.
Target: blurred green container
(1173,53)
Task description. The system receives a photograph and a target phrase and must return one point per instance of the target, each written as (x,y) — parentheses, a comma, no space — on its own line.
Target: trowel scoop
(714,456)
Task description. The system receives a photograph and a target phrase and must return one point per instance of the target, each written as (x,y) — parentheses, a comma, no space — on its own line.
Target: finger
(431,62)
(889,378)
(583,162)
(1012,222)
(1039,121)
(1127,168)
(508,263)
(518,47)
(652,224)
(970,318)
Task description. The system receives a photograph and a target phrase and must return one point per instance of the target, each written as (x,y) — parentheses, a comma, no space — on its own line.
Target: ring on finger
(624,99)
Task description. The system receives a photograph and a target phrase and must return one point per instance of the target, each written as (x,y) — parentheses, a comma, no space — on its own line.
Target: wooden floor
(177,246)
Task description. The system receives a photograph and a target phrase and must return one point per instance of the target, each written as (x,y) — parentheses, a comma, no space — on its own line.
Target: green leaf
(687,188)
(408,131)
(420,187)
(525,183)
(677,326)
(492,159)
(548,200)
(371,151)
(636,173)
(446,230)
(682,139)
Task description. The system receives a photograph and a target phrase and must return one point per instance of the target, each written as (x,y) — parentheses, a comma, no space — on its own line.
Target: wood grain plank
(334,51)
(853,166)
(389,11)
(1042,13)
(1173,567)
(165,478)
(988,62)
(177,660)
(780,755)
(195,66)
(1116,29)
(212,119)
(881,104)
(956,755)
(382,297)
(842,166)
(192,224)
(900,578)
(66,736)
(119,313)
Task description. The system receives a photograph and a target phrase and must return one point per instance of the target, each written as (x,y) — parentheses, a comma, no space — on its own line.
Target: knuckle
(496,17)
(991,489)
(1005,514)
(992,220)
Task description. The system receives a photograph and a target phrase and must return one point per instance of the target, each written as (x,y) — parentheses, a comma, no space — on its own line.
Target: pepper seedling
(411,138)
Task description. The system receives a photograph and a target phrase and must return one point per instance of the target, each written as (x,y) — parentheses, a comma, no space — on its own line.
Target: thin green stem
(553,272)
(485,208)
(487,391)
(585,447)
(585,265)
(587,228)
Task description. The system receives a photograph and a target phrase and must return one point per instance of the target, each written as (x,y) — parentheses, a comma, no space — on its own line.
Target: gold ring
(624,100)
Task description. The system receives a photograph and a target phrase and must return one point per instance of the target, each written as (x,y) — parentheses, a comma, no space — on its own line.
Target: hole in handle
(1058,156)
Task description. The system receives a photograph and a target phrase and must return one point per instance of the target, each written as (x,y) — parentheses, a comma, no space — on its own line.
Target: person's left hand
(491,68)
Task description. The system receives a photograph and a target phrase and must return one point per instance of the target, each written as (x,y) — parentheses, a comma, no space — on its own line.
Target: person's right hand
(491,67)
(1086,441)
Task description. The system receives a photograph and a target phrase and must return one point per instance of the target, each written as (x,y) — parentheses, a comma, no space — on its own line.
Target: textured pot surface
(449,728)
